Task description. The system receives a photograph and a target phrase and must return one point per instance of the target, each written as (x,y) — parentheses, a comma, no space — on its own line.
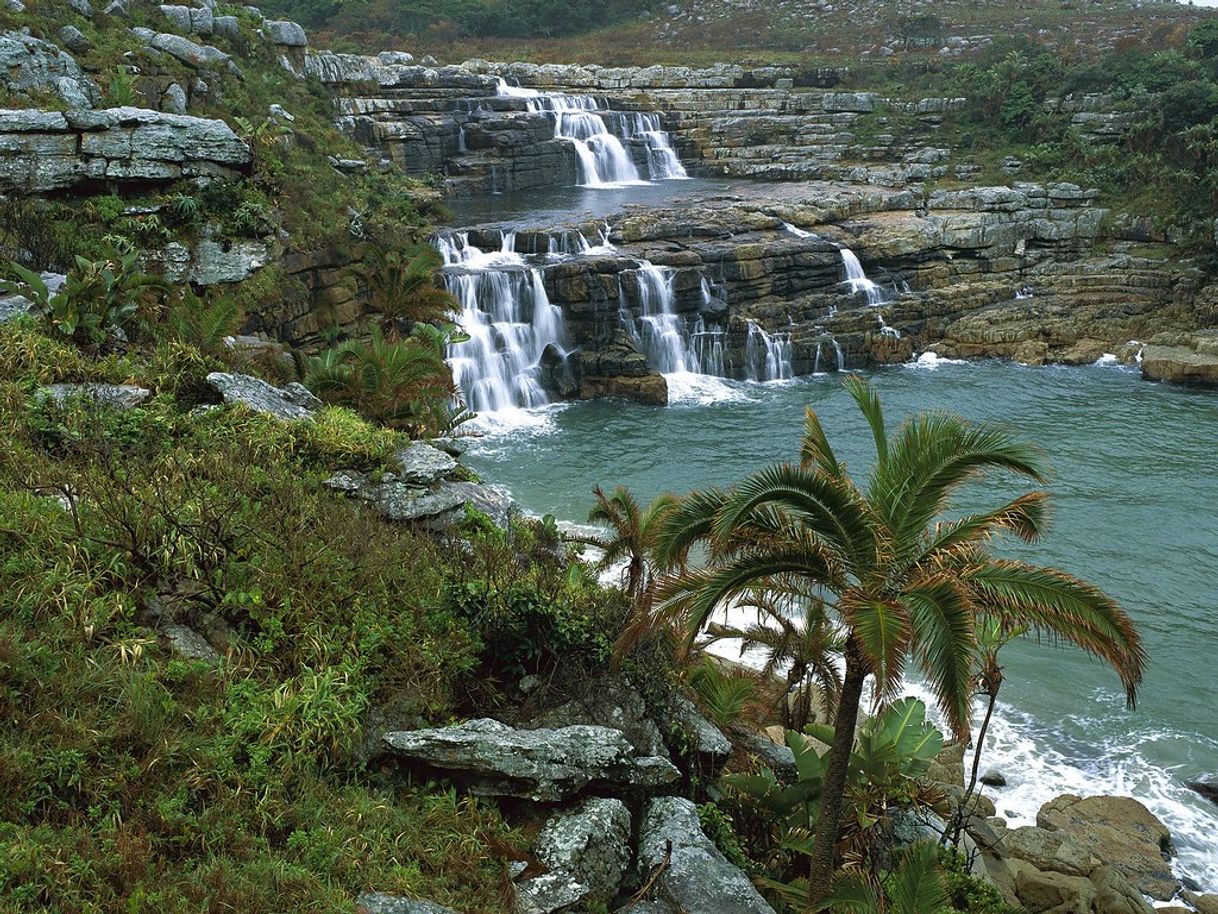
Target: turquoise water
(1135,488)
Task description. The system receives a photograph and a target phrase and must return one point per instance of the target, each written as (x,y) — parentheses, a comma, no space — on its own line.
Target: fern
(206,325)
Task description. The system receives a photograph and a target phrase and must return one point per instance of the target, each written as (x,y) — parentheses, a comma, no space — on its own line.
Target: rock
(1180,365)
(395,58)
(1038,891)
(186,642)
(647,907)
(81,8)
(199,56)
(14,6)
(1205,904)
(1207,788)
(116,8)
(542,765)
(178,16)
(1114,894)
(1122,833)
(585,851)
(227,26)
(202,21)
(174,100)
(422,463)
(1054,851)
(380,903)
(217,262)
(428,61)
(607,701)
(15,306)
(113,396)
(775,756)
(74,39)
(291,402)
(707,740)
(697,879)
(29,66)
(992,777)
(285,33)
(948,765)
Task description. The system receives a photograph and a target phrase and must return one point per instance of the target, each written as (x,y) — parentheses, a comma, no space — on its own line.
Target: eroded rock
(585,851)
(542,765)
(291,402)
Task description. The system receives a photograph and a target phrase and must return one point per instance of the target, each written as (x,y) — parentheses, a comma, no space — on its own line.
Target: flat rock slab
(698,878)
(113,396)
(1179,365)
(1122,833)
(607,701)
(541,765)
(292,401)
(585,851)
(380,903)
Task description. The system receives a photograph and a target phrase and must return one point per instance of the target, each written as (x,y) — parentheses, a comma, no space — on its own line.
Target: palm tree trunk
(820,879)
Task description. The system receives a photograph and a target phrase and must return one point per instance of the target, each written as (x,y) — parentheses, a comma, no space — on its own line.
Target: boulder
(706,740)
(380,903)
(30,66)
(1205,904)
(1114,894)
(293,401)
(1122,833)
(1054,851)
(174,100)
(81,8)
(992,777)
(114,396)
(1039,891)
(285,33)
(696,878)
(74,39)
(198,56)
(542,765)
(423,463)
(607,701)
(188,643)
(585,851)
(776,756)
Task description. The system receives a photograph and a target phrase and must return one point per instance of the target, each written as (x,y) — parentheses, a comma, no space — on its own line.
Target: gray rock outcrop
(541,765)
(697,879)
(32,67)
(293,401)
(43,151)
(607,701)
(285,33)
(423,464)
(112,396)
(381,903)
(585,850)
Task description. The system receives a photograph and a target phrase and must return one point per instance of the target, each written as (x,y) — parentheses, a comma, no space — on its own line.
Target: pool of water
(1135,487)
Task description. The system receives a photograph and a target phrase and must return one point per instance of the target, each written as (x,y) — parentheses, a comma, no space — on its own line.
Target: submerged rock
(542,765)
(293,401)
(697,878)
(1208,788)
(585,851)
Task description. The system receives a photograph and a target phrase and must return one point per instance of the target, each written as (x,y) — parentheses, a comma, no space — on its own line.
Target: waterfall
(858,279)
(661,335)
(602,157)
(796,231)
(505,312)
(705,351)
(767,357)
(891,333)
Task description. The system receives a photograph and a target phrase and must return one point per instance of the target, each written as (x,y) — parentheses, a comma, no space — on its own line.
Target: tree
(798,635)
(401,286)
(631,538)
(901,580)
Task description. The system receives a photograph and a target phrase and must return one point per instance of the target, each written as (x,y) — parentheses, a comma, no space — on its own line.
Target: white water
(509,320)
(602,156)
(858,281)
(767,356)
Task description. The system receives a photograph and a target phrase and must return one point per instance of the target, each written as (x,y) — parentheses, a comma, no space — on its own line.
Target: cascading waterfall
(509,320)
(858,281)
(767,356)
(603,159)
(660,332)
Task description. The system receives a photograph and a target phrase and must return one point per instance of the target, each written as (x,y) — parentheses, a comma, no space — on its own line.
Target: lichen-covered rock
(74,39)
(541,765)
(286,33)
(1121,833)
(30,66)
(423,463)
(188,643)
(585,851)
(607,701)
(112,396)
(198,56)
(380,903)
(293,401)
(697,879)
(15,306)
(706,739)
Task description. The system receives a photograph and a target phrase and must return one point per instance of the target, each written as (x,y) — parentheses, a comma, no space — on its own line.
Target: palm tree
(901,580)
(631,538)
(798,635)
(401,286)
